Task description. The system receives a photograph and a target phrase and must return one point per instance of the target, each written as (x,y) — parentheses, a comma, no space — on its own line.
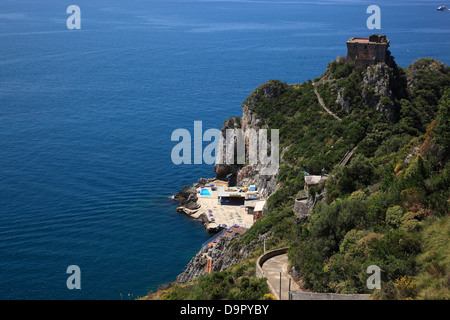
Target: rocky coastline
(377,88)
(189,205)
(223,255)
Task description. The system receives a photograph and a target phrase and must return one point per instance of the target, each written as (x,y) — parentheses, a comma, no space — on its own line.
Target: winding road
(271,269)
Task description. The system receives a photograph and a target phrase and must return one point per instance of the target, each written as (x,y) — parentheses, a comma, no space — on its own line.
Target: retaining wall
(266,256)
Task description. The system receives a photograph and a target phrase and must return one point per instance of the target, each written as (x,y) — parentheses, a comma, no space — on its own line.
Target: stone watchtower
(367,51)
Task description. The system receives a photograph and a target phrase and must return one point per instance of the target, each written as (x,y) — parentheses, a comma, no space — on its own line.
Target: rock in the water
(188,198)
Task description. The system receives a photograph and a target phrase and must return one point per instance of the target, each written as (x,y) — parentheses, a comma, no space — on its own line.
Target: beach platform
(220,214)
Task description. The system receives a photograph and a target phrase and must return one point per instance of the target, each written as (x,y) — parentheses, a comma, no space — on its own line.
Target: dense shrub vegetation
(387,207)
(378,209)
(236,283)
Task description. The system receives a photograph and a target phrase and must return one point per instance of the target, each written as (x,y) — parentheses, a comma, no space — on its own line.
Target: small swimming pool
(205,192)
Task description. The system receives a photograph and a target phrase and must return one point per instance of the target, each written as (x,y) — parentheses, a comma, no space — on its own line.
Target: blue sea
(86,118)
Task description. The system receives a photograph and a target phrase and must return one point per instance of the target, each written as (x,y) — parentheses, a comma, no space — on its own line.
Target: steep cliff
(378,88)
(248,174)
(223,255)
(375,206)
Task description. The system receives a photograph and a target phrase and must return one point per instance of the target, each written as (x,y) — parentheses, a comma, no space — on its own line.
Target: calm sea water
(86,118)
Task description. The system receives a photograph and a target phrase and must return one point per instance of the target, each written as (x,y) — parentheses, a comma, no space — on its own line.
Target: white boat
(443,8)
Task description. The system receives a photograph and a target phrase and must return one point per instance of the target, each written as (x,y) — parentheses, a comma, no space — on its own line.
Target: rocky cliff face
(376,90)
(223,256)
(188,201)
(223,170)
(248,174)
(188,198)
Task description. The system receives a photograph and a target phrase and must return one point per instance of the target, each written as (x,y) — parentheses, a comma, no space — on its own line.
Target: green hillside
(387,207)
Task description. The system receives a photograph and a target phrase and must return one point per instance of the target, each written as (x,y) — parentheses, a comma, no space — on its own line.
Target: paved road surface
(271,270)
